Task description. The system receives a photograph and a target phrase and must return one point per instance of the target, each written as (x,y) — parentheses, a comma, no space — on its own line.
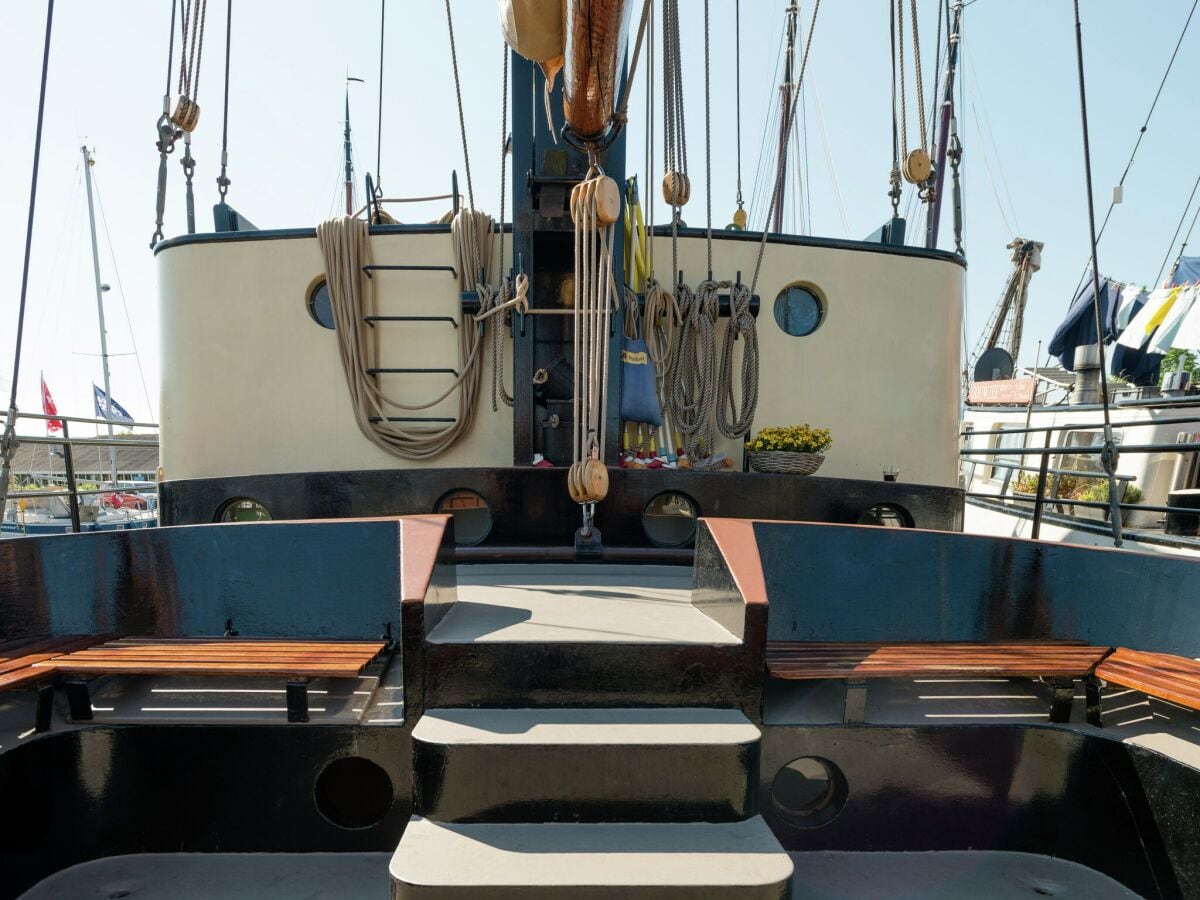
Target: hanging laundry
(1187,335)
(1141,327)
(1078,329)
(1163,338)
(1133,298)
(1187,271)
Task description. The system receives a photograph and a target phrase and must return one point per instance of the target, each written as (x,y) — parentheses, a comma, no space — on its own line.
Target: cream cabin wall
(882,369)
(252,385)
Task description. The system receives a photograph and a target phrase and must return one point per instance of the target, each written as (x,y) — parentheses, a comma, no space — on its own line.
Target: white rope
(345,244)
(741,324)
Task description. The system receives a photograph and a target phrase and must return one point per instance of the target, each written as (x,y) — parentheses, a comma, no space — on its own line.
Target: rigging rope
(8,441)
(379,115)
(223,178)
(1109,455)
(739,215)
(1171,246)
(462,124)
(506,295)
(595,209)
(345,244)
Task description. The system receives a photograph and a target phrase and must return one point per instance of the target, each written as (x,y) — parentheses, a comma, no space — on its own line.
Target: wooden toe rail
(794,660)
(222,656)
(1061,661)
(24,662)
(1173,678)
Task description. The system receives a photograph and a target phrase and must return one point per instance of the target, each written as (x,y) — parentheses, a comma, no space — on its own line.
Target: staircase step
(585,765)
(700,861)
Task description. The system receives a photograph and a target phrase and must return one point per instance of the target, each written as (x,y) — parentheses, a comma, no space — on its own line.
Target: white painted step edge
(633,726)
(696,855)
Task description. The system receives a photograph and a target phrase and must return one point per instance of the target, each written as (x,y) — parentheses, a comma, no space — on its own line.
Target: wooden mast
(595,44)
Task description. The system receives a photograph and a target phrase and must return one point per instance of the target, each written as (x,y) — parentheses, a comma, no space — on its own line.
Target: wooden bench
(22,665)
(296,660)
(1163,675)
(1060,661)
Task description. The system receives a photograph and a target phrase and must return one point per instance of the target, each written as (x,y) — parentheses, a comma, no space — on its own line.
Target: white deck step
(695,860)
(585,765)
(589,727)
(584,604)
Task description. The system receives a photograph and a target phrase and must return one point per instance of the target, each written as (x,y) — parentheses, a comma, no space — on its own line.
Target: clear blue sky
(289,64)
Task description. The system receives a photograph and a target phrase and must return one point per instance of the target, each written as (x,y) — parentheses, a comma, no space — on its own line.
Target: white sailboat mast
(100,289)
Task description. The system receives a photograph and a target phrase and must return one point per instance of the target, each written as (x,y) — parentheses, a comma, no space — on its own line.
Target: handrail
(68,443)
(1038,429)
(1078,451)
(79,420)
(996,464)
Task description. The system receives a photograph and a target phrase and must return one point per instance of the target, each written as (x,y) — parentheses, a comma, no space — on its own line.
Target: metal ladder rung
(453,372)
(367,270)
(371,320)
(377,419)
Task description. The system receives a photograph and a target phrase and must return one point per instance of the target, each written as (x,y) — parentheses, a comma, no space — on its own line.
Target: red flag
(49,409)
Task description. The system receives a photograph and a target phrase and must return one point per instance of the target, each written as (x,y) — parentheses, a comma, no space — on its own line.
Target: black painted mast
(785,109)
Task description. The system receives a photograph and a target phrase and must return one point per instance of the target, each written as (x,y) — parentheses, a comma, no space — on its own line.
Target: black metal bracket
(589,545)
(371,320)
(1062,700)
(1095,711)
(79,700)
(855,712)
(297,701)
(367,270)
(229,630)
(453,372)
(45,707)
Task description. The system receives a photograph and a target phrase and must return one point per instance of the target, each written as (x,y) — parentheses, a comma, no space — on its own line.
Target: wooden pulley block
(574,484)
(581,196)
(185,113)
(595,480)
(608,200)
(917,166)
(739,219)
(676,188)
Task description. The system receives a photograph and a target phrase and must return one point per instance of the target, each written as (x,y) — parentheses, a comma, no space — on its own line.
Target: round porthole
(887,515)
(353,792)
(809,791)
(798,310)
(472,515)
(669,519)
(319,305)
(243,509)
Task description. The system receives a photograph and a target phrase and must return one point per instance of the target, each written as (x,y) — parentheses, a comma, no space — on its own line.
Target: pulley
(185,113)
(676,188)
(739,219)
(587,481)
(917,166)
(606,194)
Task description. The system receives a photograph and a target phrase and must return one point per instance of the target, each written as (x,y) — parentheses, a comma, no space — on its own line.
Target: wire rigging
(8,439)
(1171,246)
(223,178)
(379,115)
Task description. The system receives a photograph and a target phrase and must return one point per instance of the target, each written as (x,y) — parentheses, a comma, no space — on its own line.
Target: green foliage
(1170,363)
(1097,492)
(792,438)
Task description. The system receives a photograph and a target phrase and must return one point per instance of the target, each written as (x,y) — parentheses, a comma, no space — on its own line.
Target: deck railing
(1039,499)
(72,491)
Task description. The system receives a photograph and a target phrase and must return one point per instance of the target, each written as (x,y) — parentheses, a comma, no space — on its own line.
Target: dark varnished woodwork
(796,660)
(1111,806)
(428,590)
(847,583)
(531,506)
(310,580)
(1173,678)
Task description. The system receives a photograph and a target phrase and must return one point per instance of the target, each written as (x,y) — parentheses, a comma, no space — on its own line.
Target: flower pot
(784,462)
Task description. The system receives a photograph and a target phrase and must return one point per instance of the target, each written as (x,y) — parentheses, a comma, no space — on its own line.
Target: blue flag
(119,413)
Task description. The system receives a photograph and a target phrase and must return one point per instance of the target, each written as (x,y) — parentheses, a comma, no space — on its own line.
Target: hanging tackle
(181,113)
(595,209)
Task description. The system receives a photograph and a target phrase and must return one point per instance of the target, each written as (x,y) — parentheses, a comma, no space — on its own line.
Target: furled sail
(595,32)
(534,29)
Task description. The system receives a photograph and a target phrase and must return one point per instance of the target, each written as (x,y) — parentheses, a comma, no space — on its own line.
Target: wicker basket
(785,462)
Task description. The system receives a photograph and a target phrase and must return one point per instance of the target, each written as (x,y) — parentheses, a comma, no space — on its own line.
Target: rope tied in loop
(693,382)
(741,324)
(345,244)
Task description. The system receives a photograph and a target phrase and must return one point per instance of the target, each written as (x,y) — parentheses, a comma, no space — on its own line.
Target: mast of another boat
(785,106)
(348,150)
(88,162)
(947,113)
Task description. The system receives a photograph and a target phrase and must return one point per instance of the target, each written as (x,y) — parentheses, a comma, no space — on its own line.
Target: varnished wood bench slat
(794,660)
(30,667)
(222,656)
(1163,675)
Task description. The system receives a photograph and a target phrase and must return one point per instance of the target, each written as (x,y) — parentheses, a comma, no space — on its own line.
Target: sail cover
(1187,272)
